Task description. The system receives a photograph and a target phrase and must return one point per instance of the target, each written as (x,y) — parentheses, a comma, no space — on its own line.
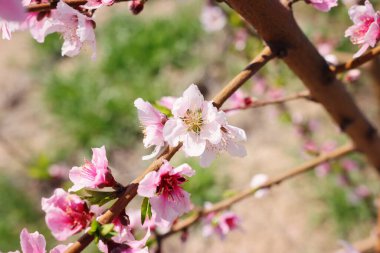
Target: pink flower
(349,164)
(220,224)
(212,18)
(32,242)
(76,29)
(7,28)
(66,214)
(35,243)
(257,181)
(195,121)
(239,100)
(94,174)
(153,122)
(232,139)
(240,39)
(166,196)
(12,10)
(95,4)
(366,30)
(124,242)
(352,75)
(323,169)
(323,5)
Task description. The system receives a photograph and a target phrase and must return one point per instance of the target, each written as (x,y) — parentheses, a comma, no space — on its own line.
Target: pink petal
(147,186)
(32,242)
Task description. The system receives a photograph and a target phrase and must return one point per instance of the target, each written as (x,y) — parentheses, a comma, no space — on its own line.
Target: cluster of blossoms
(68,214)
(76,26)
(194,122)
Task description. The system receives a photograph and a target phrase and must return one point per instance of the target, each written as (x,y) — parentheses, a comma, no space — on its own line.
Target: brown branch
(131,190)
(225,204)
(261,103)
(356,62)
(53,5)
(275,23)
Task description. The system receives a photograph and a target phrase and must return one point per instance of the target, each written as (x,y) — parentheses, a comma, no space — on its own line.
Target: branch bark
(275,23)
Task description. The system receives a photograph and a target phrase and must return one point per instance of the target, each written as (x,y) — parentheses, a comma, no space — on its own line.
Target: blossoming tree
(96,204)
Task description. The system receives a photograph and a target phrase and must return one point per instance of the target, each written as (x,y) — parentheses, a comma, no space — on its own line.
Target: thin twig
(131,190)
(225,204)
(261,103)
(356,62)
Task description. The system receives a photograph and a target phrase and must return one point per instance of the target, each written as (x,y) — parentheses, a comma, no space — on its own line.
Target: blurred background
(54,109)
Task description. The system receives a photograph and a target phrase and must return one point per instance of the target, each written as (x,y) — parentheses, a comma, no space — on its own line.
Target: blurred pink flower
(163,188)
(349,164)
(66,214)
(194,122)
(12,10)
(362,191)
(153,122)
(257,181)
(323,5)
(239,100)
(212,18)
(220,224)
(94,174)
(366,30)
(59,171)
(323,169)
(35,243)
(240,39)
(352,75)
(260,86)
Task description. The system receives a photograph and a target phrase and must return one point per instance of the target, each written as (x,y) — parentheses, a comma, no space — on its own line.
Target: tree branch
(356,62)
(225,204)
(262,103)
(275,23)
(53,4)
(131,190)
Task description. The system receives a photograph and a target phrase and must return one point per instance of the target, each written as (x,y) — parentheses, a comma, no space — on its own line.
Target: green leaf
(106,229)
(94,227)
(145,210)
(97,197)
(163,109)
(149,211)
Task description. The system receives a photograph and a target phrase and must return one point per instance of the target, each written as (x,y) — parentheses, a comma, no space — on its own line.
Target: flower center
(169,183)
(193,120)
